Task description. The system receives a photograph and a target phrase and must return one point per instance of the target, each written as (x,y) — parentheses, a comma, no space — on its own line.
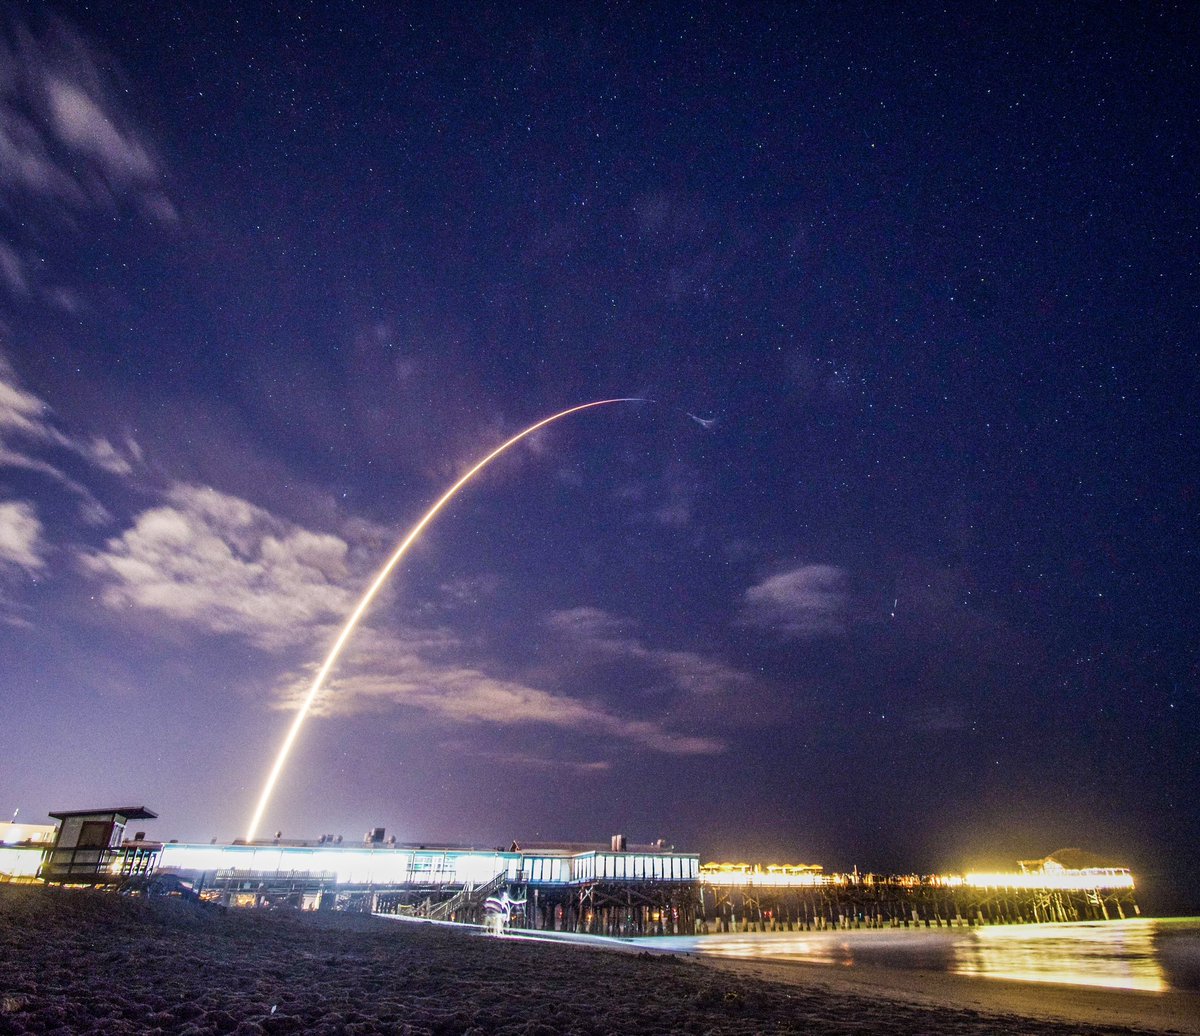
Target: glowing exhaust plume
(380,579)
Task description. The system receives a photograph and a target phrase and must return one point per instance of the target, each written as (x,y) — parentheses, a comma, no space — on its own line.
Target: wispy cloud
(12,270)
(79,120)
(219,562)
(424,671)
(677,504)
(63,133)
(468,591)
(593,625)
(668,500)
(21,542)
(68,148)
(690,672)
(21,412)
(526,760)
(806,601)
(30,437)
(941,718)
(24,416)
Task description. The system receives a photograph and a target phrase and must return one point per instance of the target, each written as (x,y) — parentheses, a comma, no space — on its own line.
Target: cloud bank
(223,564)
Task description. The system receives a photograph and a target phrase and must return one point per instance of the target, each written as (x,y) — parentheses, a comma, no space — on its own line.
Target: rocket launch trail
(319,680)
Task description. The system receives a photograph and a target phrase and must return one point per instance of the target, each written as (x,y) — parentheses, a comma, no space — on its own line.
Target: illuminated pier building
(610,889)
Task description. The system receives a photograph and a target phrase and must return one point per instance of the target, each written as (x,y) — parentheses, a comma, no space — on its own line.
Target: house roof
(128,812)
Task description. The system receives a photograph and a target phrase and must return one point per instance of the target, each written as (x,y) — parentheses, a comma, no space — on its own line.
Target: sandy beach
(90,962)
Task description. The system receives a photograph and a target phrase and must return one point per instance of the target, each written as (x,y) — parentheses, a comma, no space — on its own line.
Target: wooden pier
(873,901)
(780,899)
(701,908)
(625,891)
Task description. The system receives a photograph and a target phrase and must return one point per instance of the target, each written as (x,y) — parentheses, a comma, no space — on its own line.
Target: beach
(85,961)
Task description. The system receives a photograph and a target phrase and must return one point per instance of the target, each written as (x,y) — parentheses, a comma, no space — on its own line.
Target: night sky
(898,570)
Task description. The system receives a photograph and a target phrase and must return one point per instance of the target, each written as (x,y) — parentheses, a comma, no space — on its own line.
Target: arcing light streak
(380,579)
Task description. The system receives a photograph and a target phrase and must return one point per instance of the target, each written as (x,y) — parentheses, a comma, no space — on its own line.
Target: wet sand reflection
(1153,955)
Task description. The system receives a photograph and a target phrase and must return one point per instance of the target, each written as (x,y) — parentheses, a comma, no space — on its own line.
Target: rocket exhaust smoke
(373,589)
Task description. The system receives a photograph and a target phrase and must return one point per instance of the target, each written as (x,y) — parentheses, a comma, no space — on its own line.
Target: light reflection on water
(1118,955)
(1146,954)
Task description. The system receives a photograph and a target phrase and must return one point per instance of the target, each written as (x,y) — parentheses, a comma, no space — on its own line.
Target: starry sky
(897,570)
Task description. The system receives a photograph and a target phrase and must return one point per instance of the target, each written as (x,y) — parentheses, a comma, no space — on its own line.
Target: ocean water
(1153,954)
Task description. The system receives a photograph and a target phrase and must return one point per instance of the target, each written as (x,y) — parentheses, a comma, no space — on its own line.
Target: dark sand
(91,962)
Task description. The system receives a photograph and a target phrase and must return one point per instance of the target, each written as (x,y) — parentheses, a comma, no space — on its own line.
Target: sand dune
(91,962)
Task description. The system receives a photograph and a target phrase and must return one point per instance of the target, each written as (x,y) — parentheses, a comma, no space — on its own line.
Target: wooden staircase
(466,899)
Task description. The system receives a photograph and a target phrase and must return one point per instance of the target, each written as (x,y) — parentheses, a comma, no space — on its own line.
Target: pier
(615,889)
(740,898)
(732,898)
(639,890)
